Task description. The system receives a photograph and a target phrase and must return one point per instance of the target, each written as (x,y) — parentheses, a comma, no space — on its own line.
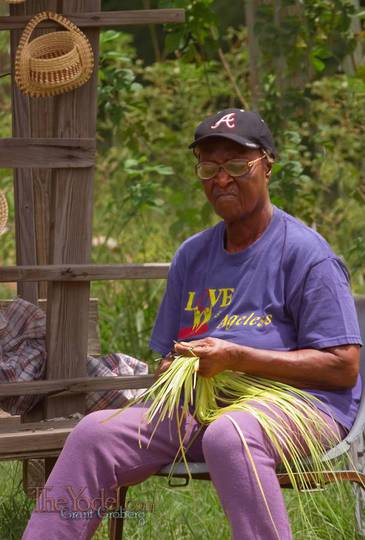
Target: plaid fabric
(23,358)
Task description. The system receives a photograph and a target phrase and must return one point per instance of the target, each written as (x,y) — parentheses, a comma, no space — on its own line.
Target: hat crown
(245,127)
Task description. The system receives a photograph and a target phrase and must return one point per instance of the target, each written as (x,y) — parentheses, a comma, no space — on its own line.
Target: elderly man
(260,293)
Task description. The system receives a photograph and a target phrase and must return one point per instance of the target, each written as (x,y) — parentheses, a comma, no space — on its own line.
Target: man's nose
(222,178)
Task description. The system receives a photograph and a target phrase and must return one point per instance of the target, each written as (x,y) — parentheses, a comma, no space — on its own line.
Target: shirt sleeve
(167,323)
(323,308)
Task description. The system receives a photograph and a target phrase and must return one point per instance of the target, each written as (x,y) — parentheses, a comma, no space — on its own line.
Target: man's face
(234,198)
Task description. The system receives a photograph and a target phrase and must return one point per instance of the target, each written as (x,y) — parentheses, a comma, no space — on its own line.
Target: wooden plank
(69,199)
(93,347)
(105,19)
(21,152)
(31,118)
(9,423)
(25,232)
(71,206)
(19,427)
(84,272)
(76,385)
(33,441)
(30,454)
(33,476)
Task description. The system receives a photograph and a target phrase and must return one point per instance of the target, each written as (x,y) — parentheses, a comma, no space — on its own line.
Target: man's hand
(214,354)
(164,364)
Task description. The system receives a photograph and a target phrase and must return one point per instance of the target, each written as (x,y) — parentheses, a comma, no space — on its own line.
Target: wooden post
(54,209)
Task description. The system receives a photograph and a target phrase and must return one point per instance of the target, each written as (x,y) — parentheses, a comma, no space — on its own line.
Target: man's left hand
(214,354)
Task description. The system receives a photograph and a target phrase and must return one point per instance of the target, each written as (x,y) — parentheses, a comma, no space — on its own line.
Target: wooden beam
(76,385)
(19,427)
(83,272)
(19,152)
(28,442)
(71,208)
(106,19)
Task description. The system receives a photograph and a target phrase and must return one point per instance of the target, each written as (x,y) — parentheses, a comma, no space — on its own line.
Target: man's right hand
(163,365)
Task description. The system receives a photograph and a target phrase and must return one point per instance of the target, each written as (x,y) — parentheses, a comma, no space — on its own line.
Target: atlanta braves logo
(228,119)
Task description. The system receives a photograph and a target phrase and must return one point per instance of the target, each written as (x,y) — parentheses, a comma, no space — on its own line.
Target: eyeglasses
(206,170)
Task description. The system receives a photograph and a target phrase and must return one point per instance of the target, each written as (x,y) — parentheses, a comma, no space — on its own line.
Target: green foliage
(199,29)
(147,200)
(15,508)
(175,514)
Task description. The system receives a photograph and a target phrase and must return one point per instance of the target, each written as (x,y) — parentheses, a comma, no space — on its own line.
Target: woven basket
(3,212)
(53,63)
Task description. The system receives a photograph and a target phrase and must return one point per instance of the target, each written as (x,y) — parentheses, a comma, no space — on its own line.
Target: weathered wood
(8,422)
(47,153)
(84,272)
(106,19)
(31,118)
(33,476)
(116,524)
(74,385)
(30,442)
(33,454)
(71,232)
(16,426)
(25,232)
(71,115)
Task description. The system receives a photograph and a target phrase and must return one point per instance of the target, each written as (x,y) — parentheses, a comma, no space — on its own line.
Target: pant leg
(96,458)
(232,475)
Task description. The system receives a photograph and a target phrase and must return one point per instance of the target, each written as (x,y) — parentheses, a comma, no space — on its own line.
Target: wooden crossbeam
(83,272)
(75,385)
(105,19)
(23,152)
(33,443)
(14,425)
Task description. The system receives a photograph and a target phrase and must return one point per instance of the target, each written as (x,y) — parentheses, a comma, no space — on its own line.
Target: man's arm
(333,368)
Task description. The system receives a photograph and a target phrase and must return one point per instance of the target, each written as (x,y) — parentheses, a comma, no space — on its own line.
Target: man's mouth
(225,194)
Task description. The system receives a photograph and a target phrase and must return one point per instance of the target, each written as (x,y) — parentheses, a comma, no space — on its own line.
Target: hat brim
(230,137)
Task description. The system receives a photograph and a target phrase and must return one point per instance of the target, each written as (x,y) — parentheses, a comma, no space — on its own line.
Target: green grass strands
(298,437)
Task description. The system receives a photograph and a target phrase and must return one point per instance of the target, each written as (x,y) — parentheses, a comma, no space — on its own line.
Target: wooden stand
(53,153)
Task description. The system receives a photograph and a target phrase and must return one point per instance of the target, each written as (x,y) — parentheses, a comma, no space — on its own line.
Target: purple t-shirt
(286,291)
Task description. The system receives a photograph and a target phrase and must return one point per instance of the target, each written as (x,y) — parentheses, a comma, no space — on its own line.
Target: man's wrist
(235,357)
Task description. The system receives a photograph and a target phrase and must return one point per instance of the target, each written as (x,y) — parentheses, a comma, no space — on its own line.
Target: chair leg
(116,523)
(357,453)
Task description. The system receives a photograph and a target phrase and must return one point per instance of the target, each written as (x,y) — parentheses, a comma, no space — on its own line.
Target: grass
(188,513)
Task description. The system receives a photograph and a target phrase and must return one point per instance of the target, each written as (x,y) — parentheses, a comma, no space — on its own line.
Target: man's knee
(222,435)
(91,430)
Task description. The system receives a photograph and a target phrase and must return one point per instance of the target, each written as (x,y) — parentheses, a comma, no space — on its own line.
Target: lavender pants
(97,457)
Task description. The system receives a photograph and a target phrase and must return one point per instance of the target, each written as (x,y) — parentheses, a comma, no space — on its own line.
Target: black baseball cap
(244,127)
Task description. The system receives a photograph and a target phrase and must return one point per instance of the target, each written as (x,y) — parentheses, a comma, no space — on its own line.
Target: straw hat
(3,212)
(53,63)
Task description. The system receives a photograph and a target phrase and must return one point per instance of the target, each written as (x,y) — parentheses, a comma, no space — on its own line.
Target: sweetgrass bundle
(180,391)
